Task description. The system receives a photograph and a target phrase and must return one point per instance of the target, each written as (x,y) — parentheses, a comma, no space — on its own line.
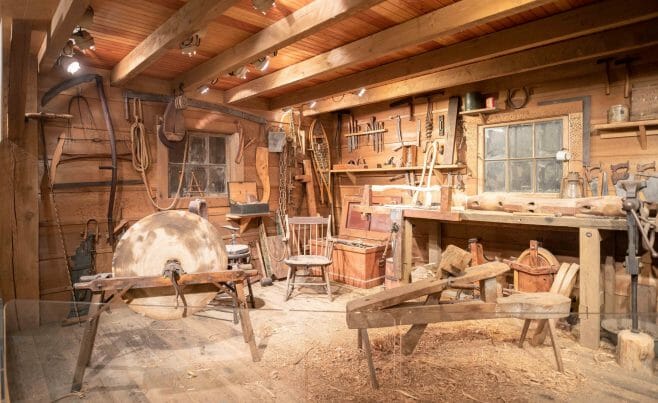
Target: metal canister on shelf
(618,113)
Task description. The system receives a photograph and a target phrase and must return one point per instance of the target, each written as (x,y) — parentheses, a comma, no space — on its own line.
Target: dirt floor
(308,354)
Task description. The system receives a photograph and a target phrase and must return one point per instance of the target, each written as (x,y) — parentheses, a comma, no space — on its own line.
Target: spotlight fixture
(262,63)
(312,104)
(70,64)
(190,45)
(263,5)
(240,72)
(361,92)
(205,88)
(83,40)
(67,59)
(87,18)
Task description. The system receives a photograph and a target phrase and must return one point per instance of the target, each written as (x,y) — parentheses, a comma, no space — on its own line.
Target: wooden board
(398,295)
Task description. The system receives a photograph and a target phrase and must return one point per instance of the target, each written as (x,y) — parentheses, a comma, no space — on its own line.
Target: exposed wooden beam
(302,23)
(448,20)
(67,15)
(19,51)
(190,18)
(584,48)
(582,21)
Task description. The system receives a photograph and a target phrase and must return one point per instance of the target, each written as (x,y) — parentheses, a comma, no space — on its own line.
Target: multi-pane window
(205,169)
(521,157)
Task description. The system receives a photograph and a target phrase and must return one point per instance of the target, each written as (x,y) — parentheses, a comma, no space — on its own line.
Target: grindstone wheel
(146,247)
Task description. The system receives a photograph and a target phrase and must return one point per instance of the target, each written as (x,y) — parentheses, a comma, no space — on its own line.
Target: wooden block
(635,352)
(455,260)
(488,290)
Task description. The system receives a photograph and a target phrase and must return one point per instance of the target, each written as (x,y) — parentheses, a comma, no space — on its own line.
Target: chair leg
(288,279)
(326,278)
(371,366)
(556,348)
(524,332)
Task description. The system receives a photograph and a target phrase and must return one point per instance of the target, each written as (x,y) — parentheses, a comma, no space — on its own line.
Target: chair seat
(536,305)
(307,260)
(236,250)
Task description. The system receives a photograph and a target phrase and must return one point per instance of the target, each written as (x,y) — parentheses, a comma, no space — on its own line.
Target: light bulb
(73,67)
(361,92)
(312,104)
(204,89)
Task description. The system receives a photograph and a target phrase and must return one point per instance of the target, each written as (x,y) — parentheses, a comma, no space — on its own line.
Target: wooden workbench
(589,250)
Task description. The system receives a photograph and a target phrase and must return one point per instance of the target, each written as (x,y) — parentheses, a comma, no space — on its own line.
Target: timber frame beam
(447,20)
(67,15)
(189,19)
(589,47)
(572,24)
(302,23)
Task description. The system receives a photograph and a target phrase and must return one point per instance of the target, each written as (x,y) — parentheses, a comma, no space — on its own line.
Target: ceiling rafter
(581,21)
(66,17)
(190,18)
(302,23)
(588,47)
(444,21)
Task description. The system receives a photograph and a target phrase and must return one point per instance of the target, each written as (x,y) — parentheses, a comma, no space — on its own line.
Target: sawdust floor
(308,354)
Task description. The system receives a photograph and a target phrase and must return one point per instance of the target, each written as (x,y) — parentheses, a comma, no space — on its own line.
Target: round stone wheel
(149,243)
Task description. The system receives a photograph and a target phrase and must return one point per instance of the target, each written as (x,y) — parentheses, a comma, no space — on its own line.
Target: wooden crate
(357,266)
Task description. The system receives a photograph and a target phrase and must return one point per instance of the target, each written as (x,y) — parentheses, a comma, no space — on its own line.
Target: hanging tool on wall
(619,172)
(592,178)
(607,61)
(453,112)
(441,124)
(84,264)
(63,86)
(626,61)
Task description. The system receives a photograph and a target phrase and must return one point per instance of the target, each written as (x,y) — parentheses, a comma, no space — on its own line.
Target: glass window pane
(217,150)
(174,174)
(197,151)
(176,154)
(520,176)
(196,179)
(494,176)
(520,141)
(549,176)
(548,138)
(216,180)
(494,143)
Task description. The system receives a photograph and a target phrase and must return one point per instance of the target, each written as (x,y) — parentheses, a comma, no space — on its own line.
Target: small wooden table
(129,287)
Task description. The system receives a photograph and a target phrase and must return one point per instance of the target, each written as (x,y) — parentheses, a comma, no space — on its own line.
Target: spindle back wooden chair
(309,245)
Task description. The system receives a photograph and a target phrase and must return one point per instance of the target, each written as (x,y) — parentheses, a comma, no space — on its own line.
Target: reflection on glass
(520,141)
(520,176)
(494,176)
(494,140)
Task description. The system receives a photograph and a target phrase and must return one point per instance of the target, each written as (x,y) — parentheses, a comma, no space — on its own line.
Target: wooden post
(19,220)
(407,235)
(307,180)
(88,339)
(590,284)
(434,245)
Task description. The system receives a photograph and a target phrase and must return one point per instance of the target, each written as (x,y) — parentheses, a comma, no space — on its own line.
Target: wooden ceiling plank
(298,25)
(190,18)
(444,21)
(582,21)
(67,15)
(617,41)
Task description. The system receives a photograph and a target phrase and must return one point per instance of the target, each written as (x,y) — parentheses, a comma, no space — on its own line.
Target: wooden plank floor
(308,354)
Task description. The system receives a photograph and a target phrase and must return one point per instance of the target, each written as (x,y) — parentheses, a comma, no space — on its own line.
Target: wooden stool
(538,306)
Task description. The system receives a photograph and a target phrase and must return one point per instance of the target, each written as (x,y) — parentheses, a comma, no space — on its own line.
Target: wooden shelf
(482,111)
(397,169)
(636,128)
(624,125)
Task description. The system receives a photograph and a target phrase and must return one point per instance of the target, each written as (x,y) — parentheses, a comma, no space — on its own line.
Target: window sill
(183,202)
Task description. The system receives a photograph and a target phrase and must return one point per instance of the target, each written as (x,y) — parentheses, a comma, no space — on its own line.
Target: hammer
(626,61)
